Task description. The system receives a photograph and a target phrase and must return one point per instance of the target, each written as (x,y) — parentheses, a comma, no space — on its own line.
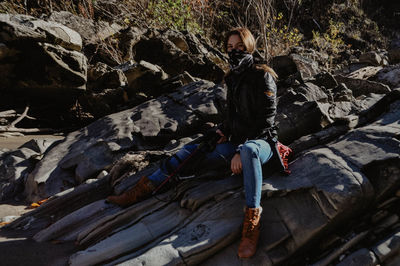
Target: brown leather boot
(250,233)
(143,189)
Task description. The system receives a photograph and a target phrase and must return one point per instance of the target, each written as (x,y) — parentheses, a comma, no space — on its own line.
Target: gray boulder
(90,31)
(101,76)
(143,76)
(56,63)
(307,108)
(326,80)
(388,247)
(295,64)
(105,102)
(362,257)
(41,58)
(384,252)
(16,165)
(306,66)
(362,87)
(373,58)
(390,76)
(365,72)
(19,28)
(302,111)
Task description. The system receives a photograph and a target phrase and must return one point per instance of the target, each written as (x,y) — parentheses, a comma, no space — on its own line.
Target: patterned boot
(142,190)
(250,232)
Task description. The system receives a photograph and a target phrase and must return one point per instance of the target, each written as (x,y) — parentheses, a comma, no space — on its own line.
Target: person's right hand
(236,164)
(223,137)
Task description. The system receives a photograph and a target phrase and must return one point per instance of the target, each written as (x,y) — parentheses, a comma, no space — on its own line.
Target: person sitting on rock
(245,135)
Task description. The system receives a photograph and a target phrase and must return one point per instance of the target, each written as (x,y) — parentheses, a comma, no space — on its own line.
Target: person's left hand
(236,164)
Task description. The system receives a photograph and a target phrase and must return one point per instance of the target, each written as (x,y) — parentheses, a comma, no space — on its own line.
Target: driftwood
(13,113)
(8,114)
(12,127)
(8,129)
(23,115)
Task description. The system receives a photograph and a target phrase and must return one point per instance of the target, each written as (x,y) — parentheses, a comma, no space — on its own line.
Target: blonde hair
(246,37)
(250,44)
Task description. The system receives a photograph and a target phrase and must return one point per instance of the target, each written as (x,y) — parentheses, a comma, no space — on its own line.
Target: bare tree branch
(23,115)
(13,113)
(12,128)
(264,10)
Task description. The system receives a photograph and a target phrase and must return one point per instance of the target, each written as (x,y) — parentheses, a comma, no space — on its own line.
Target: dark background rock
(160,50)
(101,76)
(40,60)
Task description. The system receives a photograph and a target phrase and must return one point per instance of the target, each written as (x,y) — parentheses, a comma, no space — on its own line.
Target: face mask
(235,56)
(239,60)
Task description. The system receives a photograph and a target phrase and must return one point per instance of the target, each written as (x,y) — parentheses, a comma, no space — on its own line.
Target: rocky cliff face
(343,127)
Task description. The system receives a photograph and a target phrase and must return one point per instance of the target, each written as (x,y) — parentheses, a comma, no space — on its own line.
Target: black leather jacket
(251,106)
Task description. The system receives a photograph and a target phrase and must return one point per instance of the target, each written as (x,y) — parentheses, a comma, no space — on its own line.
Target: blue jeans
(253,154)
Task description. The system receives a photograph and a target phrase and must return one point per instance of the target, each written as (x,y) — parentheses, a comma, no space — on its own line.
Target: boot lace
(250,224)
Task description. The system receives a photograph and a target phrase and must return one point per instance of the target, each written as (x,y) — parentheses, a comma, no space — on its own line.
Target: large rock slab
(146,230)
(86,152)
(199,221)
